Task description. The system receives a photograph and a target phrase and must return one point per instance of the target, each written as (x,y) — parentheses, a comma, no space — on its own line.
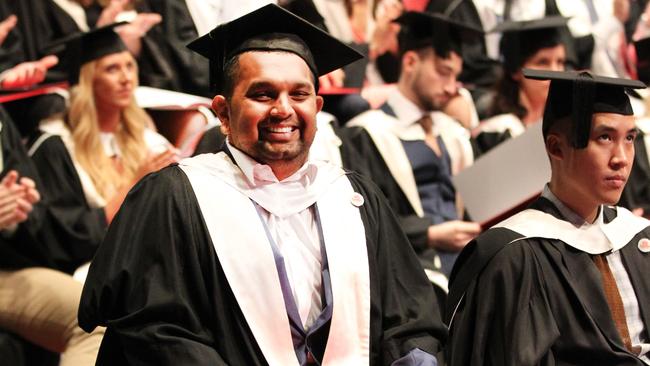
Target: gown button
(357,199)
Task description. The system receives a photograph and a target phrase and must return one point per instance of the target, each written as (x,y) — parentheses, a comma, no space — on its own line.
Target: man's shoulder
(361,182)
(163,184)
(374,119)
(493,242)
(497,249)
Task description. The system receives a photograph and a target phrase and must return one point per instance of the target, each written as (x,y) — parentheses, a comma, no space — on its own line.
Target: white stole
(593,239)
(245,254)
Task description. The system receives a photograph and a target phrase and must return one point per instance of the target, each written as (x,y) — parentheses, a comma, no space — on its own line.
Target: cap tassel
(583,100)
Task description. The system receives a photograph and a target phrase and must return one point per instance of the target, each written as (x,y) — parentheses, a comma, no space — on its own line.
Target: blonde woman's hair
(89,152)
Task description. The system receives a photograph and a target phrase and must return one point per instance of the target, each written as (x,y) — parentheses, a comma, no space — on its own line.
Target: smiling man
(565,281)
(260,254)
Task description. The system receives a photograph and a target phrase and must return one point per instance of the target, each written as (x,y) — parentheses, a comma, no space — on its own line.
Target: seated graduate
(39,302)
(89,158)
(417,144)
(518,102)
(259,254)
(565,281)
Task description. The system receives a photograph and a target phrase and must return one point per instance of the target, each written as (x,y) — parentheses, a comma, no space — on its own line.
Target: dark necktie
(614,301)
(427,125)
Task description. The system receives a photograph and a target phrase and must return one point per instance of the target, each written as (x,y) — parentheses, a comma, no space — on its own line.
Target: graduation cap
(642,47)
(421,29)
(580,94)
(522,39)
(271,28)
(83,47)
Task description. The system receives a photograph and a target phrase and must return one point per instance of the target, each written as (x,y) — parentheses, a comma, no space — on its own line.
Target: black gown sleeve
(152,281)
(69,220)
(404,311)
(504,316)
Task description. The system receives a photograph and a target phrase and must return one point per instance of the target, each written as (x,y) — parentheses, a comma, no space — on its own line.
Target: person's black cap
(271,28)
(83,47)
(522,39)
(580,94)
(420,30)
(642,47)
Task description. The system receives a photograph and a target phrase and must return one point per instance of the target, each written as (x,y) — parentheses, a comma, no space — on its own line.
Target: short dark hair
(230,75)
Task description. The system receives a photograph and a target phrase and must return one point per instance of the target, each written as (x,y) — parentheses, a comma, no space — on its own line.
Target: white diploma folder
(506,177)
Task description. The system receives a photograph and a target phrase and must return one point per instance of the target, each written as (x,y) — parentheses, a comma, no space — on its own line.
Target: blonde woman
(91,157)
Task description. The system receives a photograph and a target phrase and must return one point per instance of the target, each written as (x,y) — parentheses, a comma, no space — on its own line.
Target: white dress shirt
(295,234)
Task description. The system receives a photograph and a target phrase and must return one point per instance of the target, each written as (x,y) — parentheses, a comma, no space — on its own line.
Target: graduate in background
(38,302)
(518,102)
(90,157)
(565,281)
(258,254)
(417,144)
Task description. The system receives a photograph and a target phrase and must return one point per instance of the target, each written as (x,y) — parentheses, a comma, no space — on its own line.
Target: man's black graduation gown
(158,285)
(415,227)
(538,301)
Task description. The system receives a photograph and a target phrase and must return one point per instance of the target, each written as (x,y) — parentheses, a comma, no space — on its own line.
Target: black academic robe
(158,285)
(77,227)
(415,227)
(537,301)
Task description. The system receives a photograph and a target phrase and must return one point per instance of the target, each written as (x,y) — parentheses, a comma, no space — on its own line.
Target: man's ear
(222,109)
(555,146)
(409,59)
(319,103)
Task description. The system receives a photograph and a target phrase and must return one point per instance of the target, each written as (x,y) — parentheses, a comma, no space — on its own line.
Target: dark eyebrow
(267,84)
(607,128)
(260,85)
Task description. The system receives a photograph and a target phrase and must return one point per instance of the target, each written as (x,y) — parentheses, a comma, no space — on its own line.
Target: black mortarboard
(83,47)
(420,30)
(642,47)
(522,39)
(271,28)
(580,94)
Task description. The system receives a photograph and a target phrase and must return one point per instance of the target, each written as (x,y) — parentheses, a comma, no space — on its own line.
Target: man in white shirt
(260,254)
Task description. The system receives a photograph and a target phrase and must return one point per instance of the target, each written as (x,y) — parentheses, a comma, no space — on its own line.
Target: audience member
(90,157)
(418,146)
(518,102)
